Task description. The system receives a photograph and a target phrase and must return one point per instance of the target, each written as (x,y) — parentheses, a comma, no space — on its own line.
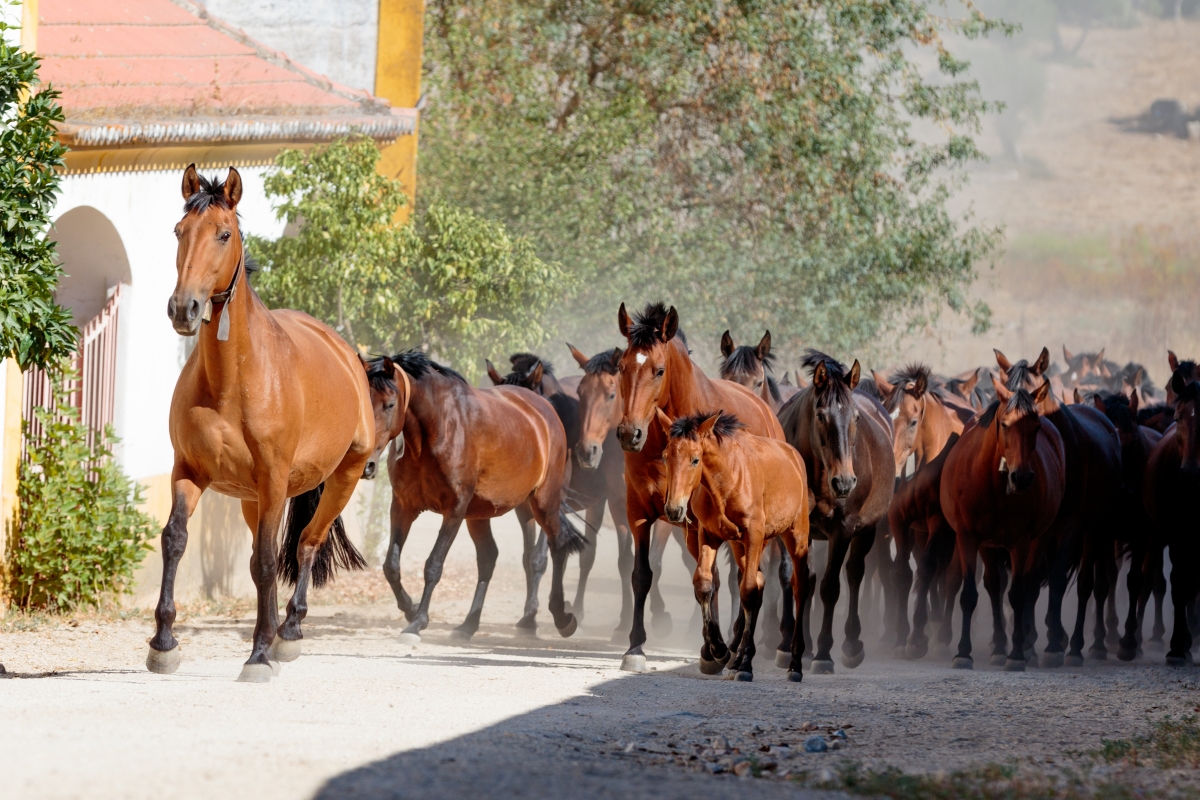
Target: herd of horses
(1038,474)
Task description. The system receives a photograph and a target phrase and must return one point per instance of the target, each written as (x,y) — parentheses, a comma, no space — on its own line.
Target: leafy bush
(79,534)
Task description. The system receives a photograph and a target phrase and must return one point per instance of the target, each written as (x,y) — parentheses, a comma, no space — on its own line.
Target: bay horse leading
(744,490)
(472,455)
(657,372)
(271,405)
(845,439)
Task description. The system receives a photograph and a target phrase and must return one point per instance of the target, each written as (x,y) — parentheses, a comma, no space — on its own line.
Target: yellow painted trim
(11,388)
(398,57)
(142,159)
(29,25)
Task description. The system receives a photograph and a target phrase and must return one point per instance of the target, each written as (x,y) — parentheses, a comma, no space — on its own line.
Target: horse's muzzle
(588,457)
(185,315)
(370,470)
(631,437)
(675,514)
(1019,481)
(843,485)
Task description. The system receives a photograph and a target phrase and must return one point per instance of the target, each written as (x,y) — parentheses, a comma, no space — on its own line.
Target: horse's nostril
(193,310)
(171,308)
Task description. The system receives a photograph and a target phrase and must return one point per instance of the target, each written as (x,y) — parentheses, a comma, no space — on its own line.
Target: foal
(743,489)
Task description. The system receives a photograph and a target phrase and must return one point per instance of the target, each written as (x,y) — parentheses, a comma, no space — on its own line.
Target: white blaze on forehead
(895,414)
(641,358)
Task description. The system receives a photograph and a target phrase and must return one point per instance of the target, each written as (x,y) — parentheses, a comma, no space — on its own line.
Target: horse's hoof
(915,652)
(1177,661)
(850,662)
(1014,665)
(997,659)
(1126,655)
(709,667)
(661,624)
(1052,660)
(633,662)
(821,667)
(566,630)
(1073,660)
(794,676)
(962,662)
(461,634)
(256,673)
(163,662)
(743,676)
(783,659)
(284,650)
(410,638)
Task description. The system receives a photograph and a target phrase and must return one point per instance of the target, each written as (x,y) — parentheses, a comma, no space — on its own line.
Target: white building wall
(335,38)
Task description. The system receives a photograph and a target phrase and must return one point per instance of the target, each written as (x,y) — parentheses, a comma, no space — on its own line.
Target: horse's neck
(936,427)
(723,473)
(689,391)
(225,364)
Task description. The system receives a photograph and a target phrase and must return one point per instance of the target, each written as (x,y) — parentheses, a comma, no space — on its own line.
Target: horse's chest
(218,449)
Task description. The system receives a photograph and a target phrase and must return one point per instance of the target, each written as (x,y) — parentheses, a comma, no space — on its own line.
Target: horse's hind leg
(788,629)
(1158,586)
(1182,592)
(1085,583)
(534,559)
(860,547)
(587,557)
(714,655)
(1113,564)
(616,508)
(164,657)
(660,619)
(554,521)
(753,583)
(402,520)
(737,621)
(995,579)
(831,588)
(433,573)
(769,613)
(1127,650)
(1104,590)
(486,553)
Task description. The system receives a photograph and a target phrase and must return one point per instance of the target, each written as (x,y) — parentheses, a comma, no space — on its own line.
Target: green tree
(33,328)
(449,281)
(760,162)
(79,533)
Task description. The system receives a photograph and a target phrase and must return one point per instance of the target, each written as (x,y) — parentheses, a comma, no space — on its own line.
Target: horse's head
(905,400)
(1030,377)
(745,364)
(1187,370)
(691,443)
(210,246)
(600,406)
(835,419)
(1187,426)
(391,391)
(643,369)
(1017,427)
(1121,412)
(528,372)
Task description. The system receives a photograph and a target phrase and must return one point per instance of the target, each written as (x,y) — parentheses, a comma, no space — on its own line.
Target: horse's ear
(1042,392)
(623,321)
(970,383)
(882,382)
(1139,377)
(920,385)
(787,379)
(1178,384)
(1100,355)
(1172,360)
(579,357)
(1067,355)
(389,365)
(670,325)
(616,356)
(726,344)
(1043,362)
(1133,401)
(233,188)
(763,351)
(855,372)
(1002,391)
(708,424)
(663,420)
(1002,361)
(191,183)
(493,374)
(536,374)
(820,375)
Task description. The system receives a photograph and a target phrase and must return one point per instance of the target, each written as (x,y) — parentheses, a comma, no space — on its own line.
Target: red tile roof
(164,71)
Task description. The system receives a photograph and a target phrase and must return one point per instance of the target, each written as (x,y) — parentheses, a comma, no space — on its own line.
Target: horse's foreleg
(901,586)
(968,550)
(860,547)
(1113,562)
(790,610)
(640,518)
(433,573)
(797,544)
(1085,583)
(1127,650)
(593,518)
(624,565)
(689,564)
(1104,572)
(164,657)
(1017,592)
(918,643)
(1158,587)
(714,655)
(751,591)
(831,588)
(263,571)
(402,520)
(1180,653)
(995,580)
(486,554)
(737,620)
(1056,634)
(769,614)
(534,558)
(660,618)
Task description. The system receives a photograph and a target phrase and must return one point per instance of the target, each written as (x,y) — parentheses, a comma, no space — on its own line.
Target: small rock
(720,743)
(808,726)
(757,727)
(841,734)
(783,773)
(815,744)
(826,776)
(715,768)
(708,754)
(2,671)
(742,768)
(629,747)
(836,744)
(781,751)
(768,765)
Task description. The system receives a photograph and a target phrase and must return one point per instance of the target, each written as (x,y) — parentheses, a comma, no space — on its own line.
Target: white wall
(144,207)
(335,38)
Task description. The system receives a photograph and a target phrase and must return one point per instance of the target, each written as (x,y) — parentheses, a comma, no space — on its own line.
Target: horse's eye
(695,462)
(660,372)
(389,406)
(224,237)
(912,423)
(612,396)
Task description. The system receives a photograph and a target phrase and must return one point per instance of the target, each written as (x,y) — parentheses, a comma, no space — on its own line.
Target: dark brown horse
(752,367)
(271,405)
(1001,488)
(1171,487)
(743,490)
(656,372)
(474,454)
(845,439)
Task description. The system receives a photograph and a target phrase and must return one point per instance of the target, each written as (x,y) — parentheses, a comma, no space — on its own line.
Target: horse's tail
(570,539)
(338,552)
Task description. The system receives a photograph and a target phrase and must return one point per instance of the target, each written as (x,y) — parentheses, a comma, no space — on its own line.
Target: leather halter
(224,298)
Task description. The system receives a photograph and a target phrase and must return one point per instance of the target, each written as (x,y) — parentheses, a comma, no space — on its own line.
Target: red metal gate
(94,393)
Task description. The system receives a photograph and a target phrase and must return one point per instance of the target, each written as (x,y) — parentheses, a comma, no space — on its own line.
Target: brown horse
(744,490)
(845,440)
(474,454)
(271,405)
(751,367)
(1085,530)
(923,414)
(1172,483)
(1001,488)
(657,372)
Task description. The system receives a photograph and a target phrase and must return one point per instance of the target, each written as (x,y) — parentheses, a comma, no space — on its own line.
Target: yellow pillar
(398,80)
(11,385)
(29,21)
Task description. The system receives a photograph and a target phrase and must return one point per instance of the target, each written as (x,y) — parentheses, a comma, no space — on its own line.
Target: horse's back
(754,413)
(519,439)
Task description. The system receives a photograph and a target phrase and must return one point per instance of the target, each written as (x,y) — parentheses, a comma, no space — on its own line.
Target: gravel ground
(361,716)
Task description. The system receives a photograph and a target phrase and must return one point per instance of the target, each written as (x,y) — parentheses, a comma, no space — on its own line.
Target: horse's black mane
(1116,408)
(379,377)
(1018,375)
(212,192)
(836,387)
(418,365)
(773,388)
(1021,401)
(602,362)
(645,330)
(914,373)
(689,427)
(523,363)
(744,360)
(1145,413)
